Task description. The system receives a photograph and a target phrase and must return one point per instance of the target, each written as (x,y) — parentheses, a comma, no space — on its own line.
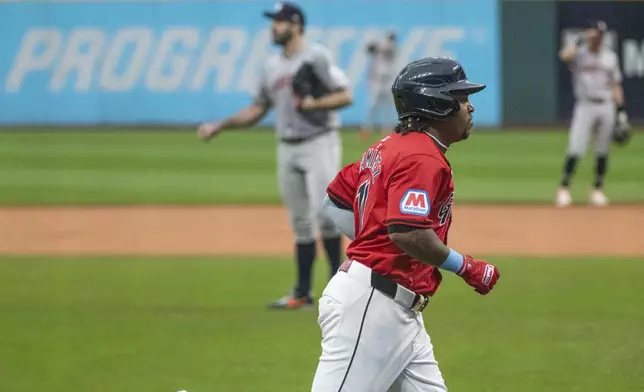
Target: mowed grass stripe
(174,167)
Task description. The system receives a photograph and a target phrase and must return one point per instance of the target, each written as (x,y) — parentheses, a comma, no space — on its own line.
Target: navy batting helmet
(426,88)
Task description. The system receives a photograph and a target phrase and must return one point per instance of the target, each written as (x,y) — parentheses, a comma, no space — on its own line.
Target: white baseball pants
(303,172)
(588,117)
(371,343)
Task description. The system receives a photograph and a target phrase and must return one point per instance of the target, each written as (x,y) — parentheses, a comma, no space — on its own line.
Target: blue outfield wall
(185,62)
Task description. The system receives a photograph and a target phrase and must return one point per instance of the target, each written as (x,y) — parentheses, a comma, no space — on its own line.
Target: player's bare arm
(331,101)
(618,94)
(246,117)
(618,97)
(421,244)
(568,53)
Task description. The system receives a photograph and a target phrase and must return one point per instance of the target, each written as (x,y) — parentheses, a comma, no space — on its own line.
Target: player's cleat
(597,198)
(290,302)
(563,197)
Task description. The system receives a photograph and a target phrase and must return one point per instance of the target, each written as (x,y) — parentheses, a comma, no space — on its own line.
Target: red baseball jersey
(404,180)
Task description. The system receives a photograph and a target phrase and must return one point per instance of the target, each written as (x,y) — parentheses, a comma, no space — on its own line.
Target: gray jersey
(595,74)
(275,91)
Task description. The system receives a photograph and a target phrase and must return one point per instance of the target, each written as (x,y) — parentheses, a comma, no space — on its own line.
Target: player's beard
(283,38)
(467,131)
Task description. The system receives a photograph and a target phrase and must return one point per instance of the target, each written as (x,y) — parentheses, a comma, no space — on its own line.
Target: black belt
(388,287)
(596,100)
(299,140)
(295,140)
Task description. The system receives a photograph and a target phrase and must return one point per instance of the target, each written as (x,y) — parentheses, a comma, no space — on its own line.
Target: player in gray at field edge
(309,150)
(599,103)
(382,72)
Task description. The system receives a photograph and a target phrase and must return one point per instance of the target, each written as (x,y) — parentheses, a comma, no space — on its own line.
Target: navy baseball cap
(597,24)
(285,11)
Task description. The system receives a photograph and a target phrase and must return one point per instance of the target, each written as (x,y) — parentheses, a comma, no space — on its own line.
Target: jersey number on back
(363,194)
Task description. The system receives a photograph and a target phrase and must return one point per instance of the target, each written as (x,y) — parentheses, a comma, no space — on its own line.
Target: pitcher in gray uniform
(309,150)
(599,103)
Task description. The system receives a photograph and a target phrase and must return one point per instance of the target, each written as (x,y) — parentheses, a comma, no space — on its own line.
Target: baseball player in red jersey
(396,206)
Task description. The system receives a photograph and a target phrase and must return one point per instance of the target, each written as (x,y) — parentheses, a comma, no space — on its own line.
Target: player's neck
(293,46)
(435,135)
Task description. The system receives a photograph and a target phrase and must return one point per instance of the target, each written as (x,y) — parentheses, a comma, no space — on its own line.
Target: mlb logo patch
(415,202)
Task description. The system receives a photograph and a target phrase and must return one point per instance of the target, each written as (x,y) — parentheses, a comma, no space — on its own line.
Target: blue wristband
(453,262)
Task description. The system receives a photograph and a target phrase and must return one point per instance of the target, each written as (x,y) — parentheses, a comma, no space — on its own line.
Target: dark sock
(600,170)
(333,246)
(305,254)
(569,170)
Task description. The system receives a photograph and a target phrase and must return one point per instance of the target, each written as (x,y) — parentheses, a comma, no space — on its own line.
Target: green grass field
(143,167)
(164,324)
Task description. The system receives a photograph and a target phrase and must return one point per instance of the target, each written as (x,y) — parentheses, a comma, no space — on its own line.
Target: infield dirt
(264,231)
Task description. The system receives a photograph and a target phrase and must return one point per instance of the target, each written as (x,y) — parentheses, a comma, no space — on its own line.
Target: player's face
(463,120)
(593,37)
(282,31)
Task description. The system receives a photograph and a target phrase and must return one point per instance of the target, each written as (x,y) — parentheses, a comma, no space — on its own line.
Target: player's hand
(209,130)
(307,103)
(479,274)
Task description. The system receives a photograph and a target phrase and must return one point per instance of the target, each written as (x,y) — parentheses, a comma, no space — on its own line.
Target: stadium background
(134,257)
